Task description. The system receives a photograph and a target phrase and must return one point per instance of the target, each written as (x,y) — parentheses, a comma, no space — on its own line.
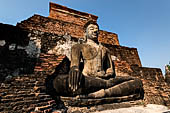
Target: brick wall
(30,92)
(14,61)
(60,27)
(156,89)
(152,74)
(69,15)
(122,53)
(156,92)
(24,73)
(21,95)
(122,68)
(13,34)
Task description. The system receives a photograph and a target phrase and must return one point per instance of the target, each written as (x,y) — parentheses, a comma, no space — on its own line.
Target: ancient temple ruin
(34,49)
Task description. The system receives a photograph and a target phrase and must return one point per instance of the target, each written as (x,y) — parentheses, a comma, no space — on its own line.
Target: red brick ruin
(26,67)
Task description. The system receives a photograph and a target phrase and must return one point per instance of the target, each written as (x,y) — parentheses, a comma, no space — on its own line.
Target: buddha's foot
(97,94)
(81,96)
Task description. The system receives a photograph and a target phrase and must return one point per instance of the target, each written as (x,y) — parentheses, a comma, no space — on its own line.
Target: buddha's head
(91,29)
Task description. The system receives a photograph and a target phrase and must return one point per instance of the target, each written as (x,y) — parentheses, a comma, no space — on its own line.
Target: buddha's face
(92,31)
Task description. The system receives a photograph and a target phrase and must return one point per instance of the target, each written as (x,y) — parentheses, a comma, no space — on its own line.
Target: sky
(142,24)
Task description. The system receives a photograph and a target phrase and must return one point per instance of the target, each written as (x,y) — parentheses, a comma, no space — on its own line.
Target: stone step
(29,102)
(12,96)
(42,108)
(15,91)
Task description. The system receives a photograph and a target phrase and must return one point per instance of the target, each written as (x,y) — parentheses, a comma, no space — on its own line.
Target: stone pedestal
(73,101)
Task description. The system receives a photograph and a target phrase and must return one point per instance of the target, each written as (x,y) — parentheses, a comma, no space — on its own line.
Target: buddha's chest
(93,52)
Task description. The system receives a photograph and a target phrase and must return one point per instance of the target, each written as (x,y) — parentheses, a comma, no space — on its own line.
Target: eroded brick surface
(70,15)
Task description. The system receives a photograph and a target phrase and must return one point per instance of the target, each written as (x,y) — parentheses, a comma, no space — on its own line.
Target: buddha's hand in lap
(100,73)
(108,74)
(74,79)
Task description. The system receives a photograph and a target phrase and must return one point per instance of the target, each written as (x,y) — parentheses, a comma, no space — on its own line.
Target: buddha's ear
(85,37)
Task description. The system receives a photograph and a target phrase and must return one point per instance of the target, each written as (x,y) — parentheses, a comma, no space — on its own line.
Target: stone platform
(73,101)
(102,107)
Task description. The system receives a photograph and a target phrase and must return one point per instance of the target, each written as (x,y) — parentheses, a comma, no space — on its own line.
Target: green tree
(168,66)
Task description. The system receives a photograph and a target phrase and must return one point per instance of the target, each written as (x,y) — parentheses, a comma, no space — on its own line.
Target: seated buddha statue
(92,73)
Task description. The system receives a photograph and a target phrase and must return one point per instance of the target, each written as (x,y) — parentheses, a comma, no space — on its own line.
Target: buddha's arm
(110,70)
(75,55)
(74,74)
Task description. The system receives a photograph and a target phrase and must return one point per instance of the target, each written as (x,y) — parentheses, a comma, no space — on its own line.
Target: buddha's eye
(91,29)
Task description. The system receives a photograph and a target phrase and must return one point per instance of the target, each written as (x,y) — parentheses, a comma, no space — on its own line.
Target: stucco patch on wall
(63,47)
